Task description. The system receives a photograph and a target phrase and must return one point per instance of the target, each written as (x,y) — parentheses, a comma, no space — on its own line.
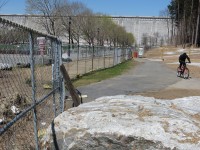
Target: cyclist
(182,59)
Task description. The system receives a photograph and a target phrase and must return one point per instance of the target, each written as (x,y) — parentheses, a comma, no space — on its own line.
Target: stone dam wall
(138,26)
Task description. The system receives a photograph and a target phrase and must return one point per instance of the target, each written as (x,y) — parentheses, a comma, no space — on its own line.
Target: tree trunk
(197,25)
(190,23)
(179,26)
(172,32)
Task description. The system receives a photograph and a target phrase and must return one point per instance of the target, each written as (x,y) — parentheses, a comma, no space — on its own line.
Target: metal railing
(32,91)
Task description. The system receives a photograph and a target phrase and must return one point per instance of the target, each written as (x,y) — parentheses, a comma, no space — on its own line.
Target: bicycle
(183,72)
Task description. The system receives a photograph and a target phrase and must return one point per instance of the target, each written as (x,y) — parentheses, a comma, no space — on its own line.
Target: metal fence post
(113,56)
(61,81)
(109,55)
(92,57)
(77,60)
(54,76)
(31,47)
(85,59)
(104,58)
(117,55)
(98,47)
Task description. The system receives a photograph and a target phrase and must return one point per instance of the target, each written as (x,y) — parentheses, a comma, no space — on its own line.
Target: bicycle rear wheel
(186,73)
(178,72)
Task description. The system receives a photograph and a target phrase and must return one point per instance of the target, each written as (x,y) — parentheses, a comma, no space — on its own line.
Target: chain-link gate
(31,86)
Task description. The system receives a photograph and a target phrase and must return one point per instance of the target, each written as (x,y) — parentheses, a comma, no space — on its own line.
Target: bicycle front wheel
(186,73)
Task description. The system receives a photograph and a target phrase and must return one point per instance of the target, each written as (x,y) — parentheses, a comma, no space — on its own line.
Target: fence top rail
(98,16)
(2,20)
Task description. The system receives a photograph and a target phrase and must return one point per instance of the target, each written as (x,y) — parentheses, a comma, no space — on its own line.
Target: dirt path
(147,78)
(182,88)
(153,77)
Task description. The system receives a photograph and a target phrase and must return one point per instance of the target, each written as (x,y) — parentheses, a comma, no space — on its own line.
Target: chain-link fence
(83,59)
(32,90)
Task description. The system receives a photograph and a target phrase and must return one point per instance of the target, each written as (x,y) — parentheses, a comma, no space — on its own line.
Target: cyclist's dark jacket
(183,57)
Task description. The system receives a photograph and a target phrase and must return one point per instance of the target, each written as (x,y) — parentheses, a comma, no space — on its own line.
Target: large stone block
(128,122)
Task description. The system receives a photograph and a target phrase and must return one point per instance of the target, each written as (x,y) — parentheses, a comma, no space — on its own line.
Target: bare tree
(197,27)
(145,40)
(47,8)
(156,37)
(191,26)
(165,13)
(74,20)
(71,15)
(89,27)
(2,3)
(112,27)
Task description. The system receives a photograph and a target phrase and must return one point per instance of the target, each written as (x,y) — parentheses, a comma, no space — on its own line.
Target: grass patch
(97,76)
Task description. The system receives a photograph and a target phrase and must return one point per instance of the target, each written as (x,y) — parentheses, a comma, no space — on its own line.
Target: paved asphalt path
(147,76)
